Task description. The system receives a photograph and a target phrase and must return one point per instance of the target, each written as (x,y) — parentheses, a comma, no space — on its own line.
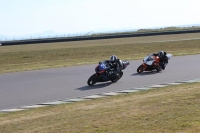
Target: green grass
(170,109)
(70,56)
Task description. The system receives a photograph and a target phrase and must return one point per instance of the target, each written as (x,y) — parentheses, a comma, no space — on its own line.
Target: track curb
(90,97)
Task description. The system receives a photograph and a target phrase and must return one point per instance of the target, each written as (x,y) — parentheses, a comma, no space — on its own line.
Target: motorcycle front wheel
(140,69)
(92,80)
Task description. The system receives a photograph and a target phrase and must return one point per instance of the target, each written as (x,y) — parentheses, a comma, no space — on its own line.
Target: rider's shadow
(145,73)
(96,86)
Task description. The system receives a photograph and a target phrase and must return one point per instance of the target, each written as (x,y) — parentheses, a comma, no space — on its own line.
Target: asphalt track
(39,86)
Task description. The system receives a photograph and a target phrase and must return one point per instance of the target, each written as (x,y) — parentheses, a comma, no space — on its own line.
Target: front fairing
(149,60)
(101,71)
(101,68)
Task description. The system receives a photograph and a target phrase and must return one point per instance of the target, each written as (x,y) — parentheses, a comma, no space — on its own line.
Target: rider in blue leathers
(115,64)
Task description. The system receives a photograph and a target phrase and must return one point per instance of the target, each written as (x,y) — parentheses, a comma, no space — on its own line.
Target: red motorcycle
(151,63)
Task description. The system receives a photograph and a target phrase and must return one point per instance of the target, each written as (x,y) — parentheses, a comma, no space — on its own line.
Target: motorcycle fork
(145,66)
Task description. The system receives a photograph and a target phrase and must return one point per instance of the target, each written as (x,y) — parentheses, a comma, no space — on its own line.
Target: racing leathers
(163,60)
(114,67)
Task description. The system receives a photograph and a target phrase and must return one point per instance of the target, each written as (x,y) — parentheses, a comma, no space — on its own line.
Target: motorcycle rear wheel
(140,69)
(114,78)
(92,80)
(120,74)
(158,69)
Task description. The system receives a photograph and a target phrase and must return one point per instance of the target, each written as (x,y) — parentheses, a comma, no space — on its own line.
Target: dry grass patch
(103,42)
(170,109)
(40,56)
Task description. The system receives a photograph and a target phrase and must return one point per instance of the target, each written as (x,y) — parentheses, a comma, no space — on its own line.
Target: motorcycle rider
(115,64)
(163,59)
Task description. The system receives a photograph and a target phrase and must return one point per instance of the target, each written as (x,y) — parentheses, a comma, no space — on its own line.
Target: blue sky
(26,17)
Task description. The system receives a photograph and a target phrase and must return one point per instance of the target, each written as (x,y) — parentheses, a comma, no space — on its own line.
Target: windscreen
(151,57)
(102,66)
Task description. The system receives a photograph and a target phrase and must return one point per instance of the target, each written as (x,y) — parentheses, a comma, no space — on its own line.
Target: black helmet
(161,54)
(113,58)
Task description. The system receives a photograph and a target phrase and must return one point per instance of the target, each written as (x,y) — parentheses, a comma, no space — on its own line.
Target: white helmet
(161,54)
(113,58)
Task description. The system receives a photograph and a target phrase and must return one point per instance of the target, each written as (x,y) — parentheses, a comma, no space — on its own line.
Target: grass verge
(40,56)
(170,109)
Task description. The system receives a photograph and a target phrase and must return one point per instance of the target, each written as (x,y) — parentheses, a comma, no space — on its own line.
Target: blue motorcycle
(104,73)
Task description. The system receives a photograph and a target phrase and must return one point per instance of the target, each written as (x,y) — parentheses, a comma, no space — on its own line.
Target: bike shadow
(96,86)
(145,73)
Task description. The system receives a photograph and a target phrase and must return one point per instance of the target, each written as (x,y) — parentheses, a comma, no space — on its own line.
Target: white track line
(132,90)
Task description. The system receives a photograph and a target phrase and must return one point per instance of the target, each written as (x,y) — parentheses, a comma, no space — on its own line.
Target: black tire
(140,69)
(114,78)
(92,80)
(120,74)
(158,69)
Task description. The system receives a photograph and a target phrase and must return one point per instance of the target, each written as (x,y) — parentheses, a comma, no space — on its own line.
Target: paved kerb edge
(90,97)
